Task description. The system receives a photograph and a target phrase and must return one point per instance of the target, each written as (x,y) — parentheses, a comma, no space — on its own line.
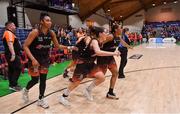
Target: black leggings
(123,61)
(14,71)
(42,85)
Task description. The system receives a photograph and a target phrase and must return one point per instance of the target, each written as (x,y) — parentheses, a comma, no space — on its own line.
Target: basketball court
(151,86)
(149,83)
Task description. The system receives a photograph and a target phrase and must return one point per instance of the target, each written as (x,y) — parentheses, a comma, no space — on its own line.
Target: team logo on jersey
(40,39)
(47,37)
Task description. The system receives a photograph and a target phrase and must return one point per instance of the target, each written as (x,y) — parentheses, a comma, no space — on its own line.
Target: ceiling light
(165,2)
(73,5)
(108,10)
(175,1)
(153,4)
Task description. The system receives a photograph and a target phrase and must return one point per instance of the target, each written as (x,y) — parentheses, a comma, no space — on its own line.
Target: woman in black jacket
(124,52)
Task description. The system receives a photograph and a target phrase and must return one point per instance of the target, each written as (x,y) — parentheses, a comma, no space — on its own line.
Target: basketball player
(86,66)
(37,46)
(80,36)
(109,62)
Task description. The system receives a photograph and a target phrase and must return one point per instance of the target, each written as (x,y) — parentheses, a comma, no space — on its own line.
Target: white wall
(76,22)
(100,21)
(3,11)
(27,21)
(33,16)
(134,23)
(156,14)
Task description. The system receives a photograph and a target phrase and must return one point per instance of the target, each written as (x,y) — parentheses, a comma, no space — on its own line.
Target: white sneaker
(25,96)
(88,95)
(70,74)
(42,103)
(64,101)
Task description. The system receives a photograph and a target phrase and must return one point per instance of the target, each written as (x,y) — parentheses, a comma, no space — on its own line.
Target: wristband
(69,47)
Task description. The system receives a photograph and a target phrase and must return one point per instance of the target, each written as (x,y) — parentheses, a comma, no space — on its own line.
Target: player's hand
(35,63)
(130,47)
(74,48)
(117,53)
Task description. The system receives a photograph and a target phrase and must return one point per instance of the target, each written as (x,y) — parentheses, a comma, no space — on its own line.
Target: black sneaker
(112,96)
(70,79)
(121,76)
(65,75)
(19,87)
(15,88)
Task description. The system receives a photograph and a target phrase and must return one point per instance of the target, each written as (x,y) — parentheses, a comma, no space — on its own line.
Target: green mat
(54,70)
(178,43)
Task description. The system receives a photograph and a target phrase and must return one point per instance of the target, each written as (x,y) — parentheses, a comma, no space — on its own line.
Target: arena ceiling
(118,9)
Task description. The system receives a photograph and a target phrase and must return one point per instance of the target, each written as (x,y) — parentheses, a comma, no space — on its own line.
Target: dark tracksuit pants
(14,70)
(123,61)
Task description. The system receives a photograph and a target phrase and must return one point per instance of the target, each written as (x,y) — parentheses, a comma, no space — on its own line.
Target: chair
(3,66)
(52,56)
(67,54)
(59,55)
(24,61)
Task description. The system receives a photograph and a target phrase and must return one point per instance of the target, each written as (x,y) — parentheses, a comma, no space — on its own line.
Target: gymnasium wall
(33,16)
(168,12)
(99,20)
(3,12)
(135,22)
(76,22)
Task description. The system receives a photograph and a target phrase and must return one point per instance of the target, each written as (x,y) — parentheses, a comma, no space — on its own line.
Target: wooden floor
(152,85)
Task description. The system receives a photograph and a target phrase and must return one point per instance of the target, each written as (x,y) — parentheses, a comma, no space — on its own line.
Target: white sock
(91,86)
(68,69)
(66,92)
(26,90)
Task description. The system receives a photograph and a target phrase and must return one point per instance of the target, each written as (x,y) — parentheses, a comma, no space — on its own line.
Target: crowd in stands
(68,36)
(162,29)
(135,38)
(65,35)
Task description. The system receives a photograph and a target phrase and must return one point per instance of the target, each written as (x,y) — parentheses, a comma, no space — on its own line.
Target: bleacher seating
(56,55)
(1,42)
(24,61)
(20,33)
(3,66)
(135,38)
(73,40)
(163,29)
